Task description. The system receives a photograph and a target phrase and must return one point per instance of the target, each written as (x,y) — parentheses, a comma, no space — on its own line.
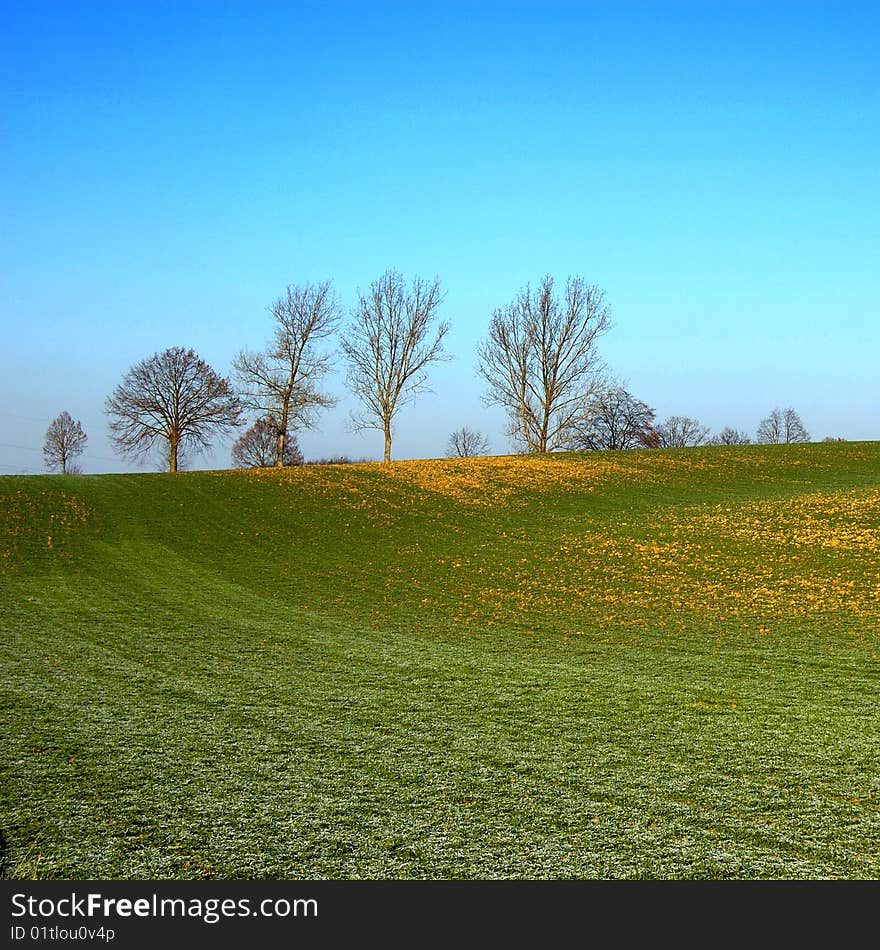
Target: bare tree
(793,427)
(388,346)
(282,383)
(730,436)
(541,362)
(64,443)
(614,419)
(680,431)
(465,442)
(175,398)
(770,429)
(782,425)
(258,445)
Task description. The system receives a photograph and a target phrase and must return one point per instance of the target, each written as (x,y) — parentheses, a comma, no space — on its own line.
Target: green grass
(613,665)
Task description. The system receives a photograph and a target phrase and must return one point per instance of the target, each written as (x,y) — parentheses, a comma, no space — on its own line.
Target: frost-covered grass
(648,664)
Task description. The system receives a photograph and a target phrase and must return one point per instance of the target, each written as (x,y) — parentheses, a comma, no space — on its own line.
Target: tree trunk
(172,455)
(282,430)
(387,440)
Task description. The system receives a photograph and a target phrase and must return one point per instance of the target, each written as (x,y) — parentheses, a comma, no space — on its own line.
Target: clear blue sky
(167,168)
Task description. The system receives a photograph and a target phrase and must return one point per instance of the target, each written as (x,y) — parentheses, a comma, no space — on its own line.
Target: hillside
(635,664)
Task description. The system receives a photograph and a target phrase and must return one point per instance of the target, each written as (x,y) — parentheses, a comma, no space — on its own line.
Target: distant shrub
(258,447)
(832,438)
(730,436)
(337,460)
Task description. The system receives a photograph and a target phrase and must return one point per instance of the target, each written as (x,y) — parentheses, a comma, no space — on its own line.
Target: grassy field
(611,665)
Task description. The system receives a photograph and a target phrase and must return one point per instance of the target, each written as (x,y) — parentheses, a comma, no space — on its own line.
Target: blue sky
(167,168)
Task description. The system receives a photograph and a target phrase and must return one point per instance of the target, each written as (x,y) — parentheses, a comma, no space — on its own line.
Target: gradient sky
(167,168)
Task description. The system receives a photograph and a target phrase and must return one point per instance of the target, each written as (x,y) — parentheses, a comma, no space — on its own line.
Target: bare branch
(258,445)
(282,384)
(465,442)
(680,431)
(614,419)
(172,397)
(730,436)
(782,425)
(389,344)
(541,362)
(64,442)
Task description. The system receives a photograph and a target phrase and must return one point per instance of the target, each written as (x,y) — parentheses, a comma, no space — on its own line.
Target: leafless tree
(175,398)
(680,431)
(541,363)
(390,342)
(258,445)
(730,436)
(465,442)
(782,425)
(793,427)
(64,443)
(614,419)
(282,383)
(770,429)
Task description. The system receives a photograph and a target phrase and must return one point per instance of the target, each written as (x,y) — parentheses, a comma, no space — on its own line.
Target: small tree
(64,443)
(770,429)
(615,419)
(175,398)
(793,427)
(541,363)
(282,383)
(464,442)
(680,431)
(782,426)
(258,445)
(389,344)
(730,436)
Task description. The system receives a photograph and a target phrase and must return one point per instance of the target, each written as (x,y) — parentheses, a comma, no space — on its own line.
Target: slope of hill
(639,664)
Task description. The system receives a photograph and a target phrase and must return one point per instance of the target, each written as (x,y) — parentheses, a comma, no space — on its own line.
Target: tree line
(539,360)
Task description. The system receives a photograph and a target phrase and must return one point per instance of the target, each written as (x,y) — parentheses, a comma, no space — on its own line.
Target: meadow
(646,664)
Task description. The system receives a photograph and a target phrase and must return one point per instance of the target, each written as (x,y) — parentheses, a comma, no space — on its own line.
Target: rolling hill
(605,665)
